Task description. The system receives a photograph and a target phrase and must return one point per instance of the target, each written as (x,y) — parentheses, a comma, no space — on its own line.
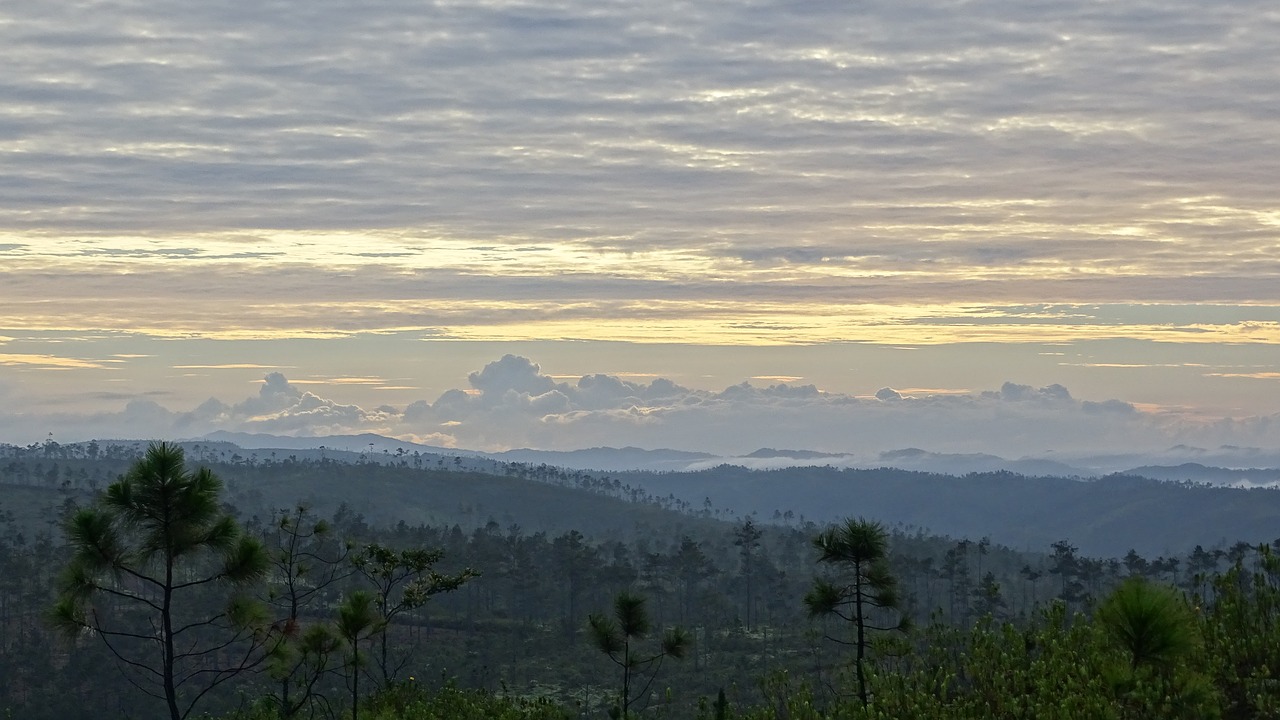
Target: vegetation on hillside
(327,614)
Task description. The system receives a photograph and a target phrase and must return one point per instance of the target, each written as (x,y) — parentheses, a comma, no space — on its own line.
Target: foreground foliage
(1060,668)
(407,701)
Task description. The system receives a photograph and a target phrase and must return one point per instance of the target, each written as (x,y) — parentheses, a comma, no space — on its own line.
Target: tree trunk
(860,621)
(626,681)
(355,680)
(166,629)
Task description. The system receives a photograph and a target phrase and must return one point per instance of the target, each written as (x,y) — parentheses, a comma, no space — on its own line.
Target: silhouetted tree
(358,619)
(988,598)
(616,638)
(142,555)
(402,581)
(858,550)
(575,559)
(306,561)
(1065,563)
(955,569)
(747,539)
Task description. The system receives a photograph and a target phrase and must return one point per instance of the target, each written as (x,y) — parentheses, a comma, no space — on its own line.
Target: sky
(1023,228)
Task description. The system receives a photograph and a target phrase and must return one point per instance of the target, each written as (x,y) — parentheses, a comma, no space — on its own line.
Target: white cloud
(887,394)
(510,374)
(276,394)
(511,403)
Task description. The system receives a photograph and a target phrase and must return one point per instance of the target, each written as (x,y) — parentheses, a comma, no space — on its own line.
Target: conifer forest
(194,581)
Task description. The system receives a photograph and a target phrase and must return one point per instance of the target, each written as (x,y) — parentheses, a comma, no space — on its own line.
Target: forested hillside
(486,582)
(1105,516)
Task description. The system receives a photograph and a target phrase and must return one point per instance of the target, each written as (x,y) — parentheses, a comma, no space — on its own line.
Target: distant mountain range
(606,458)
(345,443)
(1197,473)
(1227,465)
(1151,508)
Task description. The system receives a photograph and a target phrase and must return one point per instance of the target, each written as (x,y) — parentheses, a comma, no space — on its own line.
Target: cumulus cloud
(276,394)
(1015,421)
(511,403)
(1108,406)
(510,374)
(1013,392)
(888,394)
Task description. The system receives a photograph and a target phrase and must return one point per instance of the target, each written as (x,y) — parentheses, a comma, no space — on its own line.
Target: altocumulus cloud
(882,135)
(635,167)
(511,403)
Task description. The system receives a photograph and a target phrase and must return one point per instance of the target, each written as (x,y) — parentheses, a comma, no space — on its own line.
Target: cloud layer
(326,167)
(511,403)
(727,174)
(579,118)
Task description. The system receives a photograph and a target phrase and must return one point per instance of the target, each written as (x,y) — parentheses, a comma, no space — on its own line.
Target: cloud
(107,395)
(510,374)
(223,366)
(511,403)
(313,415)
(275,395)
(1250,375)
(48,362)
(1012,392)
(640,163)
(888,394)
(1108,406)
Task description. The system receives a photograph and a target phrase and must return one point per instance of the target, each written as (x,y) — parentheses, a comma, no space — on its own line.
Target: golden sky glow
(989,196)
(296,284)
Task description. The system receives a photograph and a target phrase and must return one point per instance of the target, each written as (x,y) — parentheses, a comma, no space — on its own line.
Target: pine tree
(864,586)
(618,638)
(145,557)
